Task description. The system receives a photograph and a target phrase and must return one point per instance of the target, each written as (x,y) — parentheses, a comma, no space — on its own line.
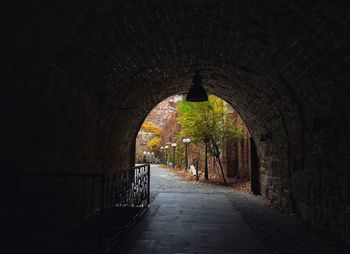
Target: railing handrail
(73,174)
(128,169)
(79,174)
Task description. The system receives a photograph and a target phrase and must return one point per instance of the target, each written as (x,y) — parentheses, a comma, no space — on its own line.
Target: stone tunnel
(79,78)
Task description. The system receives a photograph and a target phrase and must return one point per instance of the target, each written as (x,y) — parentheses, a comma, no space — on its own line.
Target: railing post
(92,196)
(107,193)
(148,183)
(15,234)
(83,208)
(103,189)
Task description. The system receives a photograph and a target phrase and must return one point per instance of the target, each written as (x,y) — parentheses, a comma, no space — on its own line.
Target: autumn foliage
(155,142)
(150,127)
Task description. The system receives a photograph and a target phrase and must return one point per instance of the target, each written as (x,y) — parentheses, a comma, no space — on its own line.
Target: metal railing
(129,188)
(58,211)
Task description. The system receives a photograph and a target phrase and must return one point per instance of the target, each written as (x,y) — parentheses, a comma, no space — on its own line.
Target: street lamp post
(166,154)
(174,147)
(161,154)
(186,142)
(144,156)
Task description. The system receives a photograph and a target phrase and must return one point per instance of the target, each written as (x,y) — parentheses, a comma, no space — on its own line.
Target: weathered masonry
(78,79)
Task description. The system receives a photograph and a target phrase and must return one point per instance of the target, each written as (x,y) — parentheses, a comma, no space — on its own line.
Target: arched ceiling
(79,77)
(247,49)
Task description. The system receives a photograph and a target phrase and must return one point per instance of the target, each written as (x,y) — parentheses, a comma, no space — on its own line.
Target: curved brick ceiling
(82,77)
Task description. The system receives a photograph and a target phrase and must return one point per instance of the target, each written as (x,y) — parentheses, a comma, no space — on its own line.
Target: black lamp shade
(197,92)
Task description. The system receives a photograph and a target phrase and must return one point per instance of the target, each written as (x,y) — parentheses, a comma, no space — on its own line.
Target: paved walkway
(190,217)
(192,223)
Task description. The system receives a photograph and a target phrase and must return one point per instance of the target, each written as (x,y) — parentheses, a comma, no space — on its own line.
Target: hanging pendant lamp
(197,92)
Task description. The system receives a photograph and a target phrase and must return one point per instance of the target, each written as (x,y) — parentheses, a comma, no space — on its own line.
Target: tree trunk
(214,165)
(206,162)
(222,171)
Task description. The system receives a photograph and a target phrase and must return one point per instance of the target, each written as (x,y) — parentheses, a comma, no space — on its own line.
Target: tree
(207,122)
(152,128)
(154,144)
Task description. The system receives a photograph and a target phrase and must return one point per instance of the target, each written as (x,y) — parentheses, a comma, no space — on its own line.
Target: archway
(162,129)
(79,80)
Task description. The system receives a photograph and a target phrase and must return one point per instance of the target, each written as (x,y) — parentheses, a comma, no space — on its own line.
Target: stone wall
(78,80)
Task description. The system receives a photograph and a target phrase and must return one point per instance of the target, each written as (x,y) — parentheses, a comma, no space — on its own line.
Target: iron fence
(129,188)
(62,212)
